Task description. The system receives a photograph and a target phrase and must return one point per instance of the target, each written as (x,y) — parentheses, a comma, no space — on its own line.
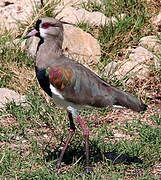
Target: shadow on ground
(96,155)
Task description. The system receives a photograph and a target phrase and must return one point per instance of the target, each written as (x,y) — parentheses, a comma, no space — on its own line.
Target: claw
(88,170)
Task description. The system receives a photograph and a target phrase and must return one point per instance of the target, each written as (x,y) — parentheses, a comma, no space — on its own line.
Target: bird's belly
(60,100)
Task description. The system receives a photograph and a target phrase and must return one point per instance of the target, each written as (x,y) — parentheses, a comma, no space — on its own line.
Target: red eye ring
(45,25)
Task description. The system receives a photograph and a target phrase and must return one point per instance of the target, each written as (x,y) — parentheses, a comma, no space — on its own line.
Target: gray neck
(49,50)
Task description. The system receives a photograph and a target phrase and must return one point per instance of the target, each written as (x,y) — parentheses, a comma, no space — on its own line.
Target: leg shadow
(96,155)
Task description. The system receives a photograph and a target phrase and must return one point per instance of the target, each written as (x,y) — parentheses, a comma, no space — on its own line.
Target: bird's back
(80,86)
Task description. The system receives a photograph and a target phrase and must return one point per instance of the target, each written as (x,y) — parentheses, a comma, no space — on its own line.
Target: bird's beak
(63,22)
(34,32)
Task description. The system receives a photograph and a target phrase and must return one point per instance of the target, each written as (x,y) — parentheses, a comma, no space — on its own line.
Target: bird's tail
(126,100)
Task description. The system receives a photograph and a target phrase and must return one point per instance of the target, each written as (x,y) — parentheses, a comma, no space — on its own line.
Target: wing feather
(60,77)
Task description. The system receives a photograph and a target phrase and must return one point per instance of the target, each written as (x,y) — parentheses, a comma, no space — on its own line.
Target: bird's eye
(46,25)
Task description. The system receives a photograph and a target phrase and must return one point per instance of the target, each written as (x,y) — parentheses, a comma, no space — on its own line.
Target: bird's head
(47,27)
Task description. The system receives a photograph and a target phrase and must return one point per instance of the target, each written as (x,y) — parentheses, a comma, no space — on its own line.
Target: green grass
(26,155)
(115,37)
(31,137)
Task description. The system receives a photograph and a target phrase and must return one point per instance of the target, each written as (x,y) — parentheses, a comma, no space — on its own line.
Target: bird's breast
(60,100)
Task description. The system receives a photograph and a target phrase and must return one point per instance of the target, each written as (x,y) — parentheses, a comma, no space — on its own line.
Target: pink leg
(70,135)
(86,138)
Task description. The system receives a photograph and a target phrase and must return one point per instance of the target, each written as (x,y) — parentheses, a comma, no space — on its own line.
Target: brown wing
(79,85)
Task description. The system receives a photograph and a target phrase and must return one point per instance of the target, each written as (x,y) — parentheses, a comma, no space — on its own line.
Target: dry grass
(22,77)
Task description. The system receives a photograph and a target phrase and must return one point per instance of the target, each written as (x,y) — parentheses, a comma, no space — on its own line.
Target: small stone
(156,22)
(78,3)
(12,12)
(7,95)
(111,68)
(137,65)
(80,15)
(152,43)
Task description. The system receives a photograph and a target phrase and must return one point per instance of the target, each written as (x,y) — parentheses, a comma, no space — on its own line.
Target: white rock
(81,46)
(78,15)
(156,22)
(140,54)
(111,68)
(137,65)
(7,95)
(15,13)
(78,3)
(152,43)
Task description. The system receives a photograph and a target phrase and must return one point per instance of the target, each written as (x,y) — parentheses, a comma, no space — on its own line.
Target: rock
(81,46)
(140,54)
(78,3)
(79,15)
(15,12)
(152,43)
(7,95)
(111,68)
(137,65)
(156,22)
(77,45)
(119,135)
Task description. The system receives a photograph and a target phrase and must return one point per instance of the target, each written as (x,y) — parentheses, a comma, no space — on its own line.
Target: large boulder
(81,46)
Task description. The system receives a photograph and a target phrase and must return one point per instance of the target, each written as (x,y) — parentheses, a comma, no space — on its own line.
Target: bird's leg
(70,135)
(86,138)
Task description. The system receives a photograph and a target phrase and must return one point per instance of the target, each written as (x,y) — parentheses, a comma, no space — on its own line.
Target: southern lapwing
(70,84)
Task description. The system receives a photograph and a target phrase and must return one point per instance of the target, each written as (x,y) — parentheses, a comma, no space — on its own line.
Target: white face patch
(55,92)
(43,32)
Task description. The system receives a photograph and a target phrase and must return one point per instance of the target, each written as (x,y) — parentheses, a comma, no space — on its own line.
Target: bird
(72,85)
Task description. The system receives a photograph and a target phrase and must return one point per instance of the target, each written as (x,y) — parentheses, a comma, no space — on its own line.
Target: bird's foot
(58,165)
(88,170)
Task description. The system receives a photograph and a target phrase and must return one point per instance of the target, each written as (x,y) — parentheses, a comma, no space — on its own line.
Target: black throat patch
(43,80)
(37,25)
